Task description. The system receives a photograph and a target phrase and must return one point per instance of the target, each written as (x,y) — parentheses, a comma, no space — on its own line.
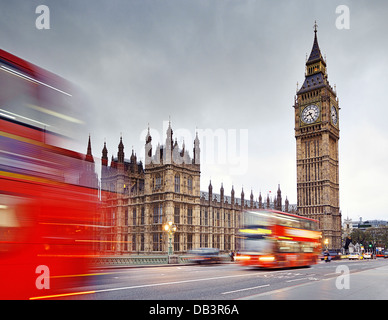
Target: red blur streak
(29,68)
(46,219)
(54,219)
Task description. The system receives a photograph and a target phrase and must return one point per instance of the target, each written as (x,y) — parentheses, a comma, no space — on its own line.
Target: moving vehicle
(47,203)
(355,256)
(274,239)
(367,255)
(326,256)
(205,255)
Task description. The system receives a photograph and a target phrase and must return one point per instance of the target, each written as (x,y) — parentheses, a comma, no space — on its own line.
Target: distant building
(349,225)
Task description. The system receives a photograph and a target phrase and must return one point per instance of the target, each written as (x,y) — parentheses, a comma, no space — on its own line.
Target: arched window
(177,183)
(158,181)
(158,212)
(190,184)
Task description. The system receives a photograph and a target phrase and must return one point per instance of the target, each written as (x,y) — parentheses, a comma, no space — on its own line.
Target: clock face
(310,114)
(334,116)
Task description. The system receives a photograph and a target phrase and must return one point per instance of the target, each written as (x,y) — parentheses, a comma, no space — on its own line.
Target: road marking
(169,283)
(245,289)
(296,279)
(330,274)
(307,278)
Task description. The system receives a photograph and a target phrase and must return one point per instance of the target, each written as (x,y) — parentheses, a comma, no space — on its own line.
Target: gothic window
(176,241)
(190,184)
(204,240)
(158,181)
(134,216)
(177,183)
(227,218)
(189,215)
(157,216)
(157,241)
(206,220)
(177,215)
(142,242)
(134,242)
(142,216)
(126,242)
(189,241)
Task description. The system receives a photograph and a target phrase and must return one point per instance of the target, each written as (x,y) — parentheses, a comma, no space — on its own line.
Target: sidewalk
(371,284)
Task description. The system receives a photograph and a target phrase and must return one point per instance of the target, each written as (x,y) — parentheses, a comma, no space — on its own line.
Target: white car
(355,256)
(367,255)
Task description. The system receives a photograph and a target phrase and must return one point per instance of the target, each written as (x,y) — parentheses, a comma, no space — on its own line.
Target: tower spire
(120,153)
(315,51)
(104,158)
(89,156)
(316,71)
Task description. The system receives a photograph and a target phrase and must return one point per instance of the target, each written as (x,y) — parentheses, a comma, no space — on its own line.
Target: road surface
(344,279)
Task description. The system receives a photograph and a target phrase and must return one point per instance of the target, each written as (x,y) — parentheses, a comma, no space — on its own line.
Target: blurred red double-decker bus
(48,194)
(274,239)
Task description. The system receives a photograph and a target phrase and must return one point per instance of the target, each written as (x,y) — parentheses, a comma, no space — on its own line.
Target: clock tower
(317,134)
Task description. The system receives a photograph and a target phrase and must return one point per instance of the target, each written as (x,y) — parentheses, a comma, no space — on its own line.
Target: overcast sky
(224,67)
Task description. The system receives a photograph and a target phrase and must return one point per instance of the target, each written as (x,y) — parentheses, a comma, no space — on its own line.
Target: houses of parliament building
(138,200)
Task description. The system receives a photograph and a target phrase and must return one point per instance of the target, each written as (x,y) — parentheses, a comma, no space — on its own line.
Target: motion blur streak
(62,295)
(48,193)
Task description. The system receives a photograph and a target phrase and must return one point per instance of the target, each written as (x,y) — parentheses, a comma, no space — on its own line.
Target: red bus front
(272,239)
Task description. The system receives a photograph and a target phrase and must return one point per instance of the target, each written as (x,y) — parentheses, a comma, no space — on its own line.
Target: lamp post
(170,228)
(326,242)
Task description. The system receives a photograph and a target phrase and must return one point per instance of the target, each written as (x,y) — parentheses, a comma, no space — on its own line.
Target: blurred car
(355,256)
(334,255)
(367,255)
(385,254)
(205,255)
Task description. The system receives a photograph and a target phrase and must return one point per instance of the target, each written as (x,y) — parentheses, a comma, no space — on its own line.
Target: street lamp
(170,229)
(326,242)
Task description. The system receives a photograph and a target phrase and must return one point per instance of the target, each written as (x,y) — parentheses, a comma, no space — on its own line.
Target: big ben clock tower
(317,134)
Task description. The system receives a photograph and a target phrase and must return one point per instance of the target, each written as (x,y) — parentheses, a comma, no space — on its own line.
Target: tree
(375,236)
(358,236)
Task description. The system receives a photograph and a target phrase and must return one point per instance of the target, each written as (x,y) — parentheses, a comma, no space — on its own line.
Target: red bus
(48,201)
(274,239)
